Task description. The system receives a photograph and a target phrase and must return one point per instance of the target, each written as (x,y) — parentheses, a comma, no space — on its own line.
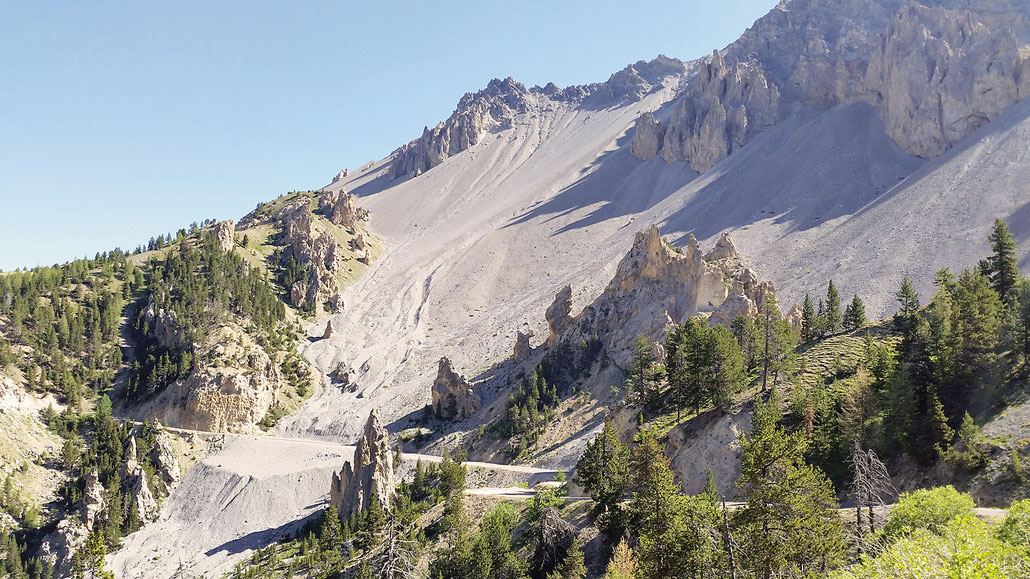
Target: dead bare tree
(870,488)
(396,557)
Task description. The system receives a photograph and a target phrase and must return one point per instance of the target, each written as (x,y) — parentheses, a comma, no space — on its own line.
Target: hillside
(517,250)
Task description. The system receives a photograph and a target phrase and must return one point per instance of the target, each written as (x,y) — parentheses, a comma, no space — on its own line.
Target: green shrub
(929,509)
(1015,528)
(964,547)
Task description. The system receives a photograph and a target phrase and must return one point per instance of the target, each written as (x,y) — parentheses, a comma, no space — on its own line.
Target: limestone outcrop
(339,207)
(162,325)
(230,389)
(937,71)
(453,397)
(164,460)
(369,474)
(940,74)
(522,350)
(558,314)
(328,333)
(225,233)
(60,546)
(477,114)
(724,249)
(341,175)
(725,106)
(134,480)
(313,248)
(647,137)
(656,285)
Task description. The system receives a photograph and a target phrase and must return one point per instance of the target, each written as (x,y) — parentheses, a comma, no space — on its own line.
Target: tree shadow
(261,539)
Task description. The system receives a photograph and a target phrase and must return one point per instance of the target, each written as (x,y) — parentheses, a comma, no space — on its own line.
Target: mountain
(855,140)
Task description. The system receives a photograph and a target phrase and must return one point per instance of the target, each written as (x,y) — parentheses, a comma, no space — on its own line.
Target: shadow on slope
(622,185)
(805,171)
(262,539)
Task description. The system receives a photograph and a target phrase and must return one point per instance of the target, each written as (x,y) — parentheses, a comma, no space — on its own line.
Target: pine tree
(655,507)
(623,564)
(832,309)
(711,491)
(643,376)
(1003,265)
(908,306)
(790,525)
(854,314)
(603,471)
(808,320)
(572,566)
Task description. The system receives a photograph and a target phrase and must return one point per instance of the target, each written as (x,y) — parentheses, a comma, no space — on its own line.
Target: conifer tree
(790,525)
(854,314)
(833,318)
(711,491)
(807,320)
(623,564)
(603,471)
(1003,265)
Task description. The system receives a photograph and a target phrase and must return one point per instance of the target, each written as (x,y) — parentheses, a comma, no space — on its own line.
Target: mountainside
(861,141)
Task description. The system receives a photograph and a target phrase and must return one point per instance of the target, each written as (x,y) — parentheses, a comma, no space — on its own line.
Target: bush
(1015,528)
(929,509)
(965,547)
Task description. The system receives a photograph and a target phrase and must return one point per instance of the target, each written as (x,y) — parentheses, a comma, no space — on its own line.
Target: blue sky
(123,120)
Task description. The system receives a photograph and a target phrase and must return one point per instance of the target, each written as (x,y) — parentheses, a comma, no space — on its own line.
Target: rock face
(558,314)
(522,350)
(230,388)
(225,233)
(941,74)
(477,114)
(371,474)
(162,325)
(312,248)
(164,459)
(60,546)
(647,137)
(341,175)
(135,481)
(339,207)
(724,249)
(453,396)
(328,333)
(495,108)
(725,106)
(656,285)
(937,70)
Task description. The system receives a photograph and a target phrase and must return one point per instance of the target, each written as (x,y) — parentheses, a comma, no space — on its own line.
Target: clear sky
(123,120)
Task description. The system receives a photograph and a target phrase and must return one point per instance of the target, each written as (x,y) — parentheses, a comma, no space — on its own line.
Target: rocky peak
(657,284)
(225,233)
(647,137)
(453,396)
(314,248)
(370,473)
(639,78)
(724,249)
(60,546)
(341,175)
(725,105)
(340,208)
(477,114)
